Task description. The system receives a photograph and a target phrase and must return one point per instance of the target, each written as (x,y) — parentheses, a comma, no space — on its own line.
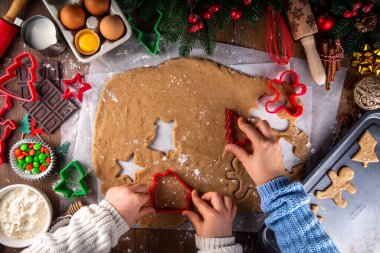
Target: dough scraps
(194,93)
(366,153)
(314,208)
(338,184)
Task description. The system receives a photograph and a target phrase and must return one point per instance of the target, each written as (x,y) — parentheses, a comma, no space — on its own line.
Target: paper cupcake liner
(28,175)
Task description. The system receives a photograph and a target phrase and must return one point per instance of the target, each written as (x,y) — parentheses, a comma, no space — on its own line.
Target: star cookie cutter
(66,186)
(152,190)
(292,98)
(10,125)
(231,117)
(151,45)
(7,104)
(11,73)
(78,78)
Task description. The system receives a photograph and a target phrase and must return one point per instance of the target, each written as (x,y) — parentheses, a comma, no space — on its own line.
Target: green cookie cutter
(151,45)
(67,185)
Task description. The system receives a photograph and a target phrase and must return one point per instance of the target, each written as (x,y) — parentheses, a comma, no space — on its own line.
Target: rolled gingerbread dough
(194,93)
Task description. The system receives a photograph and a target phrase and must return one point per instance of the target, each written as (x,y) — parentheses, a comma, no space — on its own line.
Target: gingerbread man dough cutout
(339,183)
(366,153)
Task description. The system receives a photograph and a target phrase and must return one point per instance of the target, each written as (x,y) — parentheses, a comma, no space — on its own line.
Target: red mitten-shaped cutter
(7,104)
(152,189)
(11,73)
(297,109)
(9,126)
(231,121)
(77,79)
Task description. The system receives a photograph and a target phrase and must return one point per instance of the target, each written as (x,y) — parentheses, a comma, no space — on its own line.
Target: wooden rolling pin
(303,26)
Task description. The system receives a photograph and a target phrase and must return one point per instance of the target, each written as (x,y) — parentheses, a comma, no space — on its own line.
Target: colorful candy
(33,157)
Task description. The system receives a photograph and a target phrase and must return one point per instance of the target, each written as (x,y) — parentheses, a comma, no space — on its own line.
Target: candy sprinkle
(33,157)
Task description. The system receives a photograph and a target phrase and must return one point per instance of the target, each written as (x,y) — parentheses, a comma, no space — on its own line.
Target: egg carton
(54,7)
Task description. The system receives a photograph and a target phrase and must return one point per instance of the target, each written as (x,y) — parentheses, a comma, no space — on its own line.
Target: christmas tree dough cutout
(366,153)
(338,184)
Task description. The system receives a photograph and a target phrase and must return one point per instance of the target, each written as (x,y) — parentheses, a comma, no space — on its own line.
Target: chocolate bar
(48,70)
(51,109)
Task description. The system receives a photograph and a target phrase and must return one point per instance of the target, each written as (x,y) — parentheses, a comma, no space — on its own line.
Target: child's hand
(129,201)
(218,214)
(265,163)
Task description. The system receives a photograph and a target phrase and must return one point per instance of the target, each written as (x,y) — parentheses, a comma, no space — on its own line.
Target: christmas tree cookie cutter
(151,45)
(231,117)
(153,187)
(292,98)
(66,185)
(11,73)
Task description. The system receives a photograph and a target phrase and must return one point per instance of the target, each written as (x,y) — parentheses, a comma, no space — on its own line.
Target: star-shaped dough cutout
(366,153)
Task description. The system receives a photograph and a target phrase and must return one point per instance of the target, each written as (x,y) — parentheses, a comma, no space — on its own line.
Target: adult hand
(129,201)
(218,213)
(266,162)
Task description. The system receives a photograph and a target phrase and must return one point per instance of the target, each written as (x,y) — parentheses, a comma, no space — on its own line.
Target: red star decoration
(78,78)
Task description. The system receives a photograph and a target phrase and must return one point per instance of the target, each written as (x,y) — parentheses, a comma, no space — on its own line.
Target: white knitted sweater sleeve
(96,228)
(217,245)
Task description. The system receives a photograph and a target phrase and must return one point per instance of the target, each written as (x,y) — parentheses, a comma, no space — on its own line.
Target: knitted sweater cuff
(204,243)
(267,190)
(121,226)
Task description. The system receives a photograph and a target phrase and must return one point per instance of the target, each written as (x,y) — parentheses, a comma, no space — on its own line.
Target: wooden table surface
(240,33)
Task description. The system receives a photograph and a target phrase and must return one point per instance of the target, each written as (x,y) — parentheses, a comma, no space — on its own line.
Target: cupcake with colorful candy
(32,159)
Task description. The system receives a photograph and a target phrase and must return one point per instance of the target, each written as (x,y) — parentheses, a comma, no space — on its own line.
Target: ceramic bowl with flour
(25,212)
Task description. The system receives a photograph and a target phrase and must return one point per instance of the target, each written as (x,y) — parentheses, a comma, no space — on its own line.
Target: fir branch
(187,43)
(207,38)
(354,41)
(342,28)
(222,19)
(148,9)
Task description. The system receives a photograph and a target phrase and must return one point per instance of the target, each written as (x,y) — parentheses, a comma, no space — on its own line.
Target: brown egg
(97,7)
(112,27)
(73,17)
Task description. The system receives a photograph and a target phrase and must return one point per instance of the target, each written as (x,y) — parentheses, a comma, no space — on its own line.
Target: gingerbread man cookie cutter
(292,98)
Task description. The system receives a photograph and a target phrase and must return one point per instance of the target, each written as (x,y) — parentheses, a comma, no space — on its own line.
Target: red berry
(200,25)
(357,6)
(193,18)
(366,8)
(354,12)
(207,14)
(347,14)
(193,28)
(214,8)
(236,14)
(247,2)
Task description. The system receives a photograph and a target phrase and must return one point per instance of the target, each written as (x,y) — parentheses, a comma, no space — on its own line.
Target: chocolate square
(51,109)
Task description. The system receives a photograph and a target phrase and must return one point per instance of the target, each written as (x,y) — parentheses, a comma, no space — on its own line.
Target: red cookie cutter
(231,117)
(7,104)
(9,126)
(152,189)
(78,78)
(10,73)
(292,98)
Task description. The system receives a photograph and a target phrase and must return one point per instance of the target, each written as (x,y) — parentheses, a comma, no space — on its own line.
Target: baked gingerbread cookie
(194,94)
(339,182)
(366,153)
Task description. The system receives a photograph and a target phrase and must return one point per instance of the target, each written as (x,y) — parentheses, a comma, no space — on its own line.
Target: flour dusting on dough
(183,158)
(112,96)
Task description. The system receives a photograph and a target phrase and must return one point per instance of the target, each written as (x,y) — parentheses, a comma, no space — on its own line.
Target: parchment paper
(318,120)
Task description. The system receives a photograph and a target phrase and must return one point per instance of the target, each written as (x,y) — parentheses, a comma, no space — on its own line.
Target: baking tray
(54,7)
(355,228)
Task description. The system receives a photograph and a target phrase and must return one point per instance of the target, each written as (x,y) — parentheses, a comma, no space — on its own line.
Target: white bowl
(21,243)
